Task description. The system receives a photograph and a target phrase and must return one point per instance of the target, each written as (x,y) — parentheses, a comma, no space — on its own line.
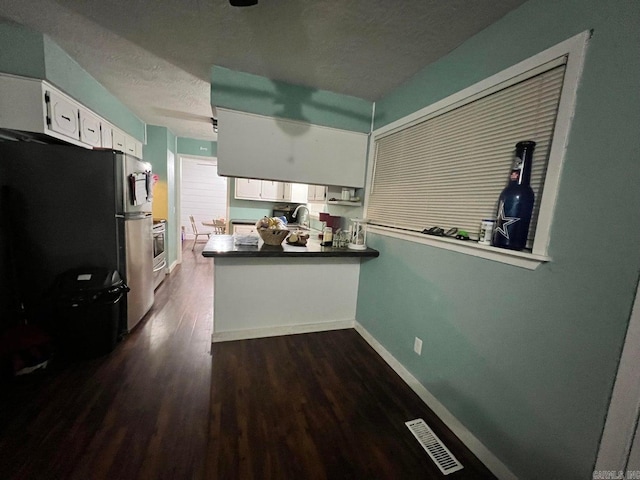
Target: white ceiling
(156,55)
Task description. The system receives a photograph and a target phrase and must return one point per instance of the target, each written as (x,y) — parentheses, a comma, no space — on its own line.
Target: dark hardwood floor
(318,406)
(167,404)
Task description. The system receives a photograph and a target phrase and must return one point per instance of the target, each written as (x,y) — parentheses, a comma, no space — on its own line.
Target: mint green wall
(191,146)
(21,51)
(255,94)
(525,359)
(28,53)
(155,151)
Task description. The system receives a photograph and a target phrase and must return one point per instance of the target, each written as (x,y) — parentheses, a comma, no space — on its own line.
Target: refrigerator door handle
(136,216)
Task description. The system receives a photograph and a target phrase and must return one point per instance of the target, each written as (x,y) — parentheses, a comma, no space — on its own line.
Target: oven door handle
(160,267)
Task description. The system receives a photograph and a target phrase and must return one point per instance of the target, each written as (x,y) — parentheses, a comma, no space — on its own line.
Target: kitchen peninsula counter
(263,291)
(223,246)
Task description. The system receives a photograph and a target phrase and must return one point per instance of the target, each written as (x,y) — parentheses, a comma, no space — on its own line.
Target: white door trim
(624,409)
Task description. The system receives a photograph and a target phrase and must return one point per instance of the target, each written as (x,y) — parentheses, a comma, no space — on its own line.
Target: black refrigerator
(65,207)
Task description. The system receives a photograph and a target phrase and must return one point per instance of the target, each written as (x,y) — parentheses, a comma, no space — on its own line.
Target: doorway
(203,193)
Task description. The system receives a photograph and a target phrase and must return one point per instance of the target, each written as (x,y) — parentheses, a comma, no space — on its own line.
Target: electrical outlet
(417,346)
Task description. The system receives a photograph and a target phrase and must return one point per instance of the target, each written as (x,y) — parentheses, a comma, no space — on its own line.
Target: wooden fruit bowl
(271,236)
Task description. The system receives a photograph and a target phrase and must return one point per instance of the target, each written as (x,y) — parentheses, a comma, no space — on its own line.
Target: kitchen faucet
(308,220)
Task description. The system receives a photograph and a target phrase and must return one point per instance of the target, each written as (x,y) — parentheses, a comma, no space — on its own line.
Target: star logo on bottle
(503,222)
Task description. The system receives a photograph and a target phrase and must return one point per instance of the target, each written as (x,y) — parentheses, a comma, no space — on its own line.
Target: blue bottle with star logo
(515,204)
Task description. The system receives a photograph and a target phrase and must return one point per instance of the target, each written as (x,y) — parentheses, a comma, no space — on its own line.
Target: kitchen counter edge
(226,249)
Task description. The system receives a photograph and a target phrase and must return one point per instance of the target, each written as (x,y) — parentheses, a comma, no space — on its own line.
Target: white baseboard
(471,442)
(173,265)
(277,331)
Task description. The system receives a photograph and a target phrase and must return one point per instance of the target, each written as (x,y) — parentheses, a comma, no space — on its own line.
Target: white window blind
(448,169)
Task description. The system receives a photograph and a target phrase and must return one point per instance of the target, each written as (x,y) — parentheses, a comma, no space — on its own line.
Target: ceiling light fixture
(243,3)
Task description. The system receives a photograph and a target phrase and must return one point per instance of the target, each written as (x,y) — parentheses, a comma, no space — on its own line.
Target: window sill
(526,260)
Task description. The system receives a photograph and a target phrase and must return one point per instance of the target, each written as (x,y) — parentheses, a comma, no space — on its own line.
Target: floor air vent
(440,454)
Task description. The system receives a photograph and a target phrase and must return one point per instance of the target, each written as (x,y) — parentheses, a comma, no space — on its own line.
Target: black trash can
(88,306)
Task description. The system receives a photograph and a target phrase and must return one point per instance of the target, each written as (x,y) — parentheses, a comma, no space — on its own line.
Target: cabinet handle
(66,118)
(92,131)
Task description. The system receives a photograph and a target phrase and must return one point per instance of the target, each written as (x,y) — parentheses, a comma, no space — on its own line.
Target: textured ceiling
(156,55)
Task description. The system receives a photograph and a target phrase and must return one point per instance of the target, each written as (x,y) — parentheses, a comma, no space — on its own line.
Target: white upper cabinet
(130,145)
(296,192)
(317,193)
(272,190)
(125,143)
(248,188)
(62,115)
(35,106)
(90,132)
(107,135)
(118,140)
(255,146)
(262,190)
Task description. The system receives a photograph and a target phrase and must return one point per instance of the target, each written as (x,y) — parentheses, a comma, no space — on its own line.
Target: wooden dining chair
(219,226)
(197,233)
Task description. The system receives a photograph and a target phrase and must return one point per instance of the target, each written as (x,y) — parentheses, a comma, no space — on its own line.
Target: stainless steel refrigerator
(64,207)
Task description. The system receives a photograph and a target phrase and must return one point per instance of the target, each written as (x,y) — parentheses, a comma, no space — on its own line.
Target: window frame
(574,49)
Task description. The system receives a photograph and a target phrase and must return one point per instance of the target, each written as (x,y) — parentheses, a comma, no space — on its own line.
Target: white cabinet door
(129,145)
(296,192)
(107,136)
(90,129)
(271,190)
(264,190)
(317,193)
(244,230)
(24,104)
(287,192)
(63,115)
(118,140)
(139,150)
(248,188)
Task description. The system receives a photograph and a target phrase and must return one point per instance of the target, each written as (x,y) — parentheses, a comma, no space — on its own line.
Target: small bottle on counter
(486,231)
(327,237)
(336,239)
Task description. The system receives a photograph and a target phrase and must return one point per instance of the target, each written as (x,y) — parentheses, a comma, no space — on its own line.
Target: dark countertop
(242,221)
(222,246)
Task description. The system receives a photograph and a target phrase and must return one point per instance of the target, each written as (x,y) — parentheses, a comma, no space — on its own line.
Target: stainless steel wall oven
(159,251)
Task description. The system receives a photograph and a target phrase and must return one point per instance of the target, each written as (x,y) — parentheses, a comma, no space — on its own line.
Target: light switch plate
(417,346)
